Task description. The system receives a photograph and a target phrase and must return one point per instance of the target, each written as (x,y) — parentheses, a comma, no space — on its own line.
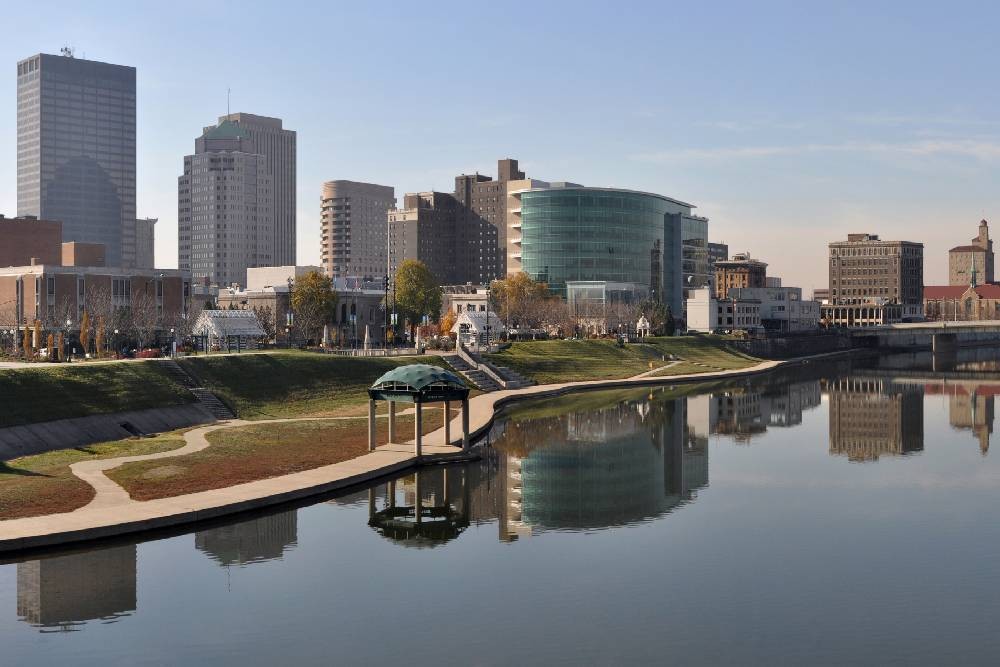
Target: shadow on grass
(7,470)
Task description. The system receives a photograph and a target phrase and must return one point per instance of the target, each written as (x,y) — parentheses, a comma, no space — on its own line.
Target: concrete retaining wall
(16,441)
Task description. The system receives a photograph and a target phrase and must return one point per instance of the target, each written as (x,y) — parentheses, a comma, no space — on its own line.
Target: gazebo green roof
(227,129)
(419,383)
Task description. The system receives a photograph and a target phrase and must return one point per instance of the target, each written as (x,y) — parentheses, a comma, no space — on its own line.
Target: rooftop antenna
(67,51)
(229,94)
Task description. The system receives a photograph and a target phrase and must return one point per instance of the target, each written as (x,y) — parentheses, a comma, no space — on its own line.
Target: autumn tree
(85,332)
(447,322)
(314,303)
(417,293)
(520,301)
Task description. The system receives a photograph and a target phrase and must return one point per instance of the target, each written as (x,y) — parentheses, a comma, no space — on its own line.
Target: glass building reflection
(257,540)
(62,592)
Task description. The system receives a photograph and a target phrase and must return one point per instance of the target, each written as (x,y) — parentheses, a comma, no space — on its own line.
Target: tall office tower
(483,227)
(424,230)
(225,208)
(354,228)
(277,145)
(137,244)
(76,147)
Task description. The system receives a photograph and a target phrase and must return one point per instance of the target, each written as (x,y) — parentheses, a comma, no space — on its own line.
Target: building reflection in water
(262,539)
(62,592)
(744,412)
(970,407)
(871,417)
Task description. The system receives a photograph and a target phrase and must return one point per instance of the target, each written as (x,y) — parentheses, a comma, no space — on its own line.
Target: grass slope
(31,395)
(248,453)
(44,484)
(294,384)
(549,361)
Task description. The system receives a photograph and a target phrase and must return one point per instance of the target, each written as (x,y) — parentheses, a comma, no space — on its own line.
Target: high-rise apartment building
(278,146)
(225,207)
(482,226)
(355,228)
(424,230)
(76,147)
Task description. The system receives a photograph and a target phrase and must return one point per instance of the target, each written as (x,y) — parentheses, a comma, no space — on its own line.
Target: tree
(85,331)
(520,301)
(143,318)
(265,318)
(314,303)
(99,333)
(417,293)
(447,322)
(659,317)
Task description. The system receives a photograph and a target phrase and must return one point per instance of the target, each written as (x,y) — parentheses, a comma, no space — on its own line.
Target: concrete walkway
(113,512)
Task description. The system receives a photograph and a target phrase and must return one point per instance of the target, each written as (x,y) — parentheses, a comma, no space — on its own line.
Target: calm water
(838,515)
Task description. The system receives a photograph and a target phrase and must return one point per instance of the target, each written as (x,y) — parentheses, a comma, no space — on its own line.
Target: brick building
(740,271)
(977,255)
(27,238)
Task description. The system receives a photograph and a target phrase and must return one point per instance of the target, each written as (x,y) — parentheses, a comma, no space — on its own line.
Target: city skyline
(814,152)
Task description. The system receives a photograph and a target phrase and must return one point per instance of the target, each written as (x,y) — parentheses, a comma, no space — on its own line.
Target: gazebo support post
(418,427)
(392,421)
(371,424)
(447,423)
(465,423)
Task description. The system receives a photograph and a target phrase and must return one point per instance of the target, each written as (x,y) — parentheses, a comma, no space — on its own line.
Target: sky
(788,124)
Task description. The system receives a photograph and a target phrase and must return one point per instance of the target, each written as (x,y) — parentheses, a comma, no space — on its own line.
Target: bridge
(940,337)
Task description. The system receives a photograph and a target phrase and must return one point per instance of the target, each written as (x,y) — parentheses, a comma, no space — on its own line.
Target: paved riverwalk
(112,512)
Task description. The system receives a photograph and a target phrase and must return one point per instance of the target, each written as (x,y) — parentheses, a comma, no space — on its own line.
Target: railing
(482,367)
(377,352)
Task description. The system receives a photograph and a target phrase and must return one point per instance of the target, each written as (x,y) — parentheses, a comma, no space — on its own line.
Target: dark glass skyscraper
(76,147)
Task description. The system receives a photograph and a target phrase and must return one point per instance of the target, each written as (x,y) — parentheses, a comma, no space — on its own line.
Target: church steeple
(974,283)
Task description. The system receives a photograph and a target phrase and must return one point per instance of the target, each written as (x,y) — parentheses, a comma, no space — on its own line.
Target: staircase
(217,408)
(513,379)
(480,379)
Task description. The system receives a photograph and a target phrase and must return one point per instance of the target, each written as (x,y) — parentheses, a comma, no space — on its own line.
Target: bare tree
(143,318)
(266,319)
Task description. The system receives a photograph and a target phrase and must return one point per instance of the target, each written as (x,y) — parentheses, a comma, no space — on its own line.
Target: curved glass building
(632,241)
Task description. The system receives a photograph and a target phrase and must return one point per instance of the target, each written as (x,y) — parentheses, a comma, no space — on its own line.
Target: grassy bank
(294,384)
(31,395)
(44,484)
(549,361)
(249,453)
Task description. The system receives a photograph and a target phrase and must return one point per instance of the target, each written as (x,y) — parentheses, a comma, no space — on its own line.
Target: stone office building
(978,256)
(874,282)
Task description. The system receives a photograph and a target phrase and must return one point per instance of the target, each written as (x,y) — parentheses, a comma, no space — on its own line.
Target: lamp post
(114,341)
(488,318)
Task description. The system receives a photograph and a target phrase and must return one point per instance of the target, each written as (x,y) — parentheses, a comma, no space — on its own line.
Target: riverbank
(112,512)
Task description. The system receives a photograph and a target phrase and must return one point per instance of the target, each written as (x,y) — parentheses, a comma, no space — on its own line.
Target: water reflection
(970,407)
(874,417)
(422,510)
(257,540)
(63,592)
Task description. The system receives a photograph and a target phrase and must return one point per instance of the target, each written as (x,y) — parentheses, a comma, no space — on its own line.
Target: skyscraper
(225,208)
(76,147)
(278,146)
(354,236)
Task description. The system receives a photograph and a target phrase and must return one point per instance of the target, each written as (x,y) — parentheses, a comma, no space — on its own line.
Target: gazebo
(418,384)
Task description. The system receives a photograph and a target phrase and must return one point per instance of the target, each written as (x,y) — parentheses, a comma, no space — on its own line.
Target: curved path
(113,512)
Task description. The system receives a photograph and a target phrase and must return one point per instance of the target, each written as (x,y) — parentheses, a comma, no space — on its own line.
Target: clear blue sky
(788,124)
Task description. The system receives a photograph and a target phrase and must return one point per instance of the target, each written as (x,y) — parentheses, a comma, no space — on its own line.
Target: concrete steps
(481,380)
(211,402)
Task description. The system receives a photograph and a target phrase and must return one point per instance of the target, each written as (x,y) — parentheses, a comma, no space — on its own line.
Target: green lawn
(61,391)
(550,361)
(294,384)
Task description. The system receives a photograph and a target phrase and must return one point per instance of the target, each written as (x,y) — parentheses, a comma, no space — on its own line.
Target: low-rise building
(708,314)
(227,330)
(472,328)
(782,309)
(740,271)
(28,240)
(463,298)
(968,303)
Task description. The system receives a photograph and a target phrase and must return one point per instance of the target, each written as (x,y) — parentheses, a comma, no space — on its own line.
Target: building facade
(707,314)
(76,150)
(741,271)
(976,257)
(424,230)
(871,418)
(573,233)
(964,303)
(138,244)
(874,282)
(355,228)
(782,309)
(225,208)
(483,223)
(267,137)
(28,240)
